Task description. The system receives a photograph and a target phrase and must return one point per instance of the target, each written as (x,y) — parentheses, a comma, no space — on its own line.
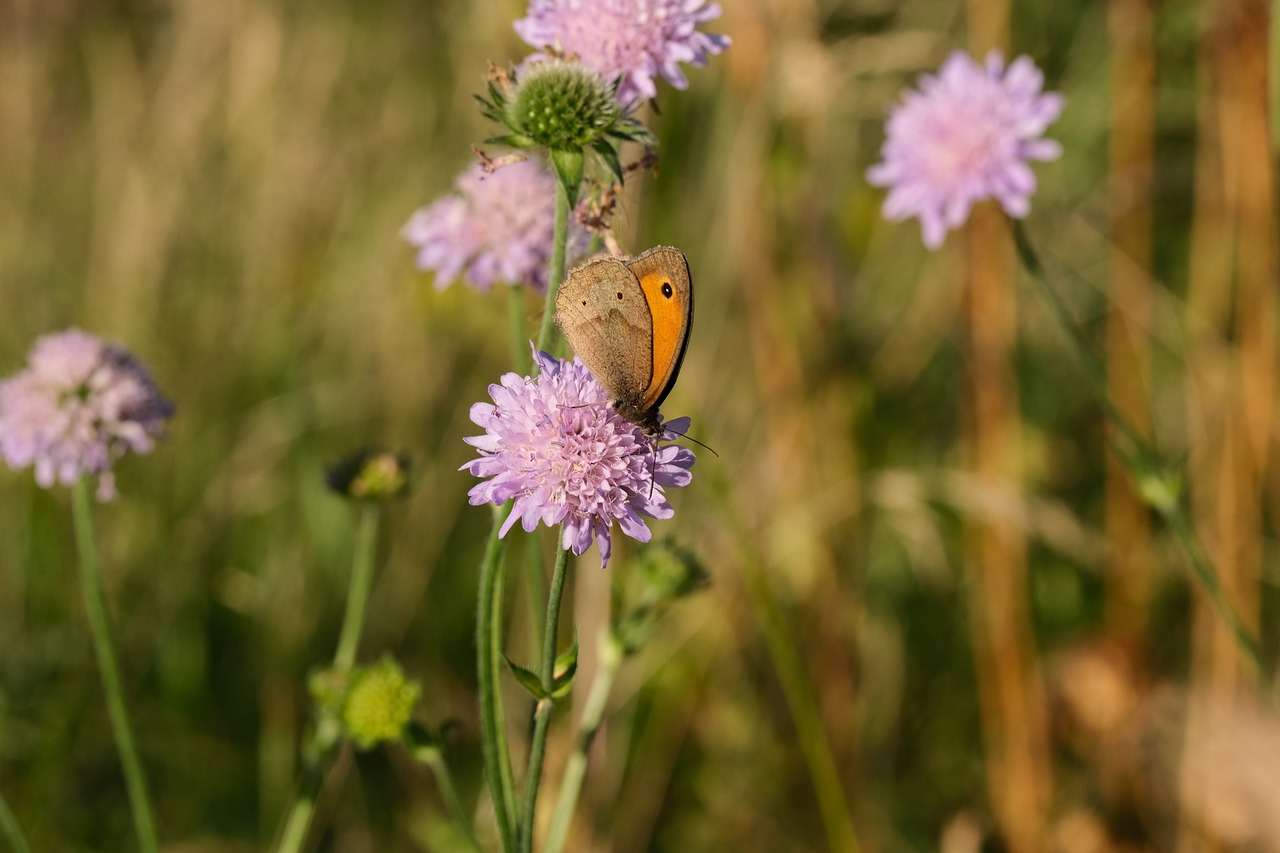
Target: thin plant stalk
(12,829)
(100,628)
(358,591)
(1147,469)
(542,712)
(812,737)
(497,755)
(576,769)
(326,736)
(433,757)
(1129,212)
(556,273)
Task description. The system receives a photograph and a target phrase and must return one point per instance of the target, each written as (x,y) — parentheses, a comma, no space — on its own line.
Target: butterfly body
(628,319)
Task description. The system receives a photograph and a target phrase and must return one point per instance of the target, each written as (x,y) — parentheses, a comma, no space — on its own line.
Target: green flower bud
(562,105)
(379,704)
(371,475)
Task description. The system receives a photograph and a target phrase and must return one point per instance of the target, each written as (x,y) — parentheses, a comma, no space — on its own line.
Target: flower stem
(542,713)
(100,627)
(576,768)
(358,591)
(516,324)
(433,757)
(497,757)
(556,274)
(1146,466)
(12,831)
(327,735)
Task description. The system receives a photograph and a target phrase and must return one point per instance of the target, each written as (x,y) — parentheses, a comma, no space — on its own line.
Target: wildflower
(566,457)
(496,228)
(966,135)
(80,405)
(634,40)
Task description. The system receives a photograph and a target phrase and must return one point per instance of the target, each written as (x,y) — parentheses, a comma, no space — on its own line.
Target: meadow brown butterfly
(628,319)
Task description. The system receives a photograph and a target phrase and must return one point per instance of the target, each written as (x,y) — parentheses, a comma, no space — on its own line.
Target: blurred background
(915,536)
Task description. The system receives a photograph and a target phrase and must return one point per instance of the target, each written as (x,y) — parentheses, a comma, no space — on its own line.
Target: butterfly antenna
(699,443)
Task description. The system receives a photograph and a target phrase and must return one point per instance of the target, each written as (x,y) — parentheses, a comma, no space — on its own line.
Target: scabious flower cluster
(566,457)
(637,40)
(80,405)
(966,135)
(496,227)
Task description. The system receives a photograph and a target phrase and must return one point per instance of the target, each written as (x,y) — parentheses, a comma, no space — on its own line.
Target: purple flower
(497,227)
(966,135)
(80,405)
(565,456)
(635,39)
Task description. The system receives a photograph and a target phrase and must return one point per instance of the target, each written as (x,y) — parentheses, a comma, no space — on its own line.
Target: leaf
(568,164)
(511,140)
(610,157)
(567,659)
(527,679)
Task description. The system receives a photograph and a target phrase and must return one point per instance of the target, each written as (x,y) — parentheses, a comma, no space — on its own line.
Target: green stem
(804,712)
(304,804)
(1144,463)
(12,830)
(358,591)
(433,757)
(556,274)
(542,713)
(516,325)
(576,768)
(100,627)
(497,756)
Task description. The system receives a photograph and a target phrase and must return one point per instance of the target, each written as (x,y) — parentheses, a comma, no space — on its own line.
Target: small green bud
(379,704)
(562,105)
(371,475)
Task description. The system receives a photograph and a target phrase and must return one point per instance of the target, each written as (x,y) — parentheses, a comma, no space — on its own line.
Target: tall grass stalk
(100,628)
(1158,479)
(1131,173)
(1010,691)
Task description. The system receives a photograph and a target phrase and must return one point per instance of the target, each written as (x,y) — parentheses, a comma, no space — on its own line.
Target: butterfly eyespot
(666,289)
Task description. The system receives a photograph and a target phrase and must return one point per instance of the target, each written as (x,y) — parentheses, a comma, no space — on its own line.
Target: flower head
(496,227)
(565,457)
(80,405)
(636,40)
(379,703)
(966,135)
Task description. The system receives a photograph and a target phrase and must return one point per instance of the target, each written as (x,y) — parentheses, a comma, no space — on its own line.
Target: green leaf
(511,140)
(567,659)
(527,679)
(488,110)
(610,157)
(568,164)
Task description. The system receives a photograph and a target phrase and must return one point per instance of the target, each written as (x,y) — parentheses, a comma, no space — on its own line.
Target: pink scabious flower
(496,227)
(636,40)
(566,457)
(966,135)
(80,405)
